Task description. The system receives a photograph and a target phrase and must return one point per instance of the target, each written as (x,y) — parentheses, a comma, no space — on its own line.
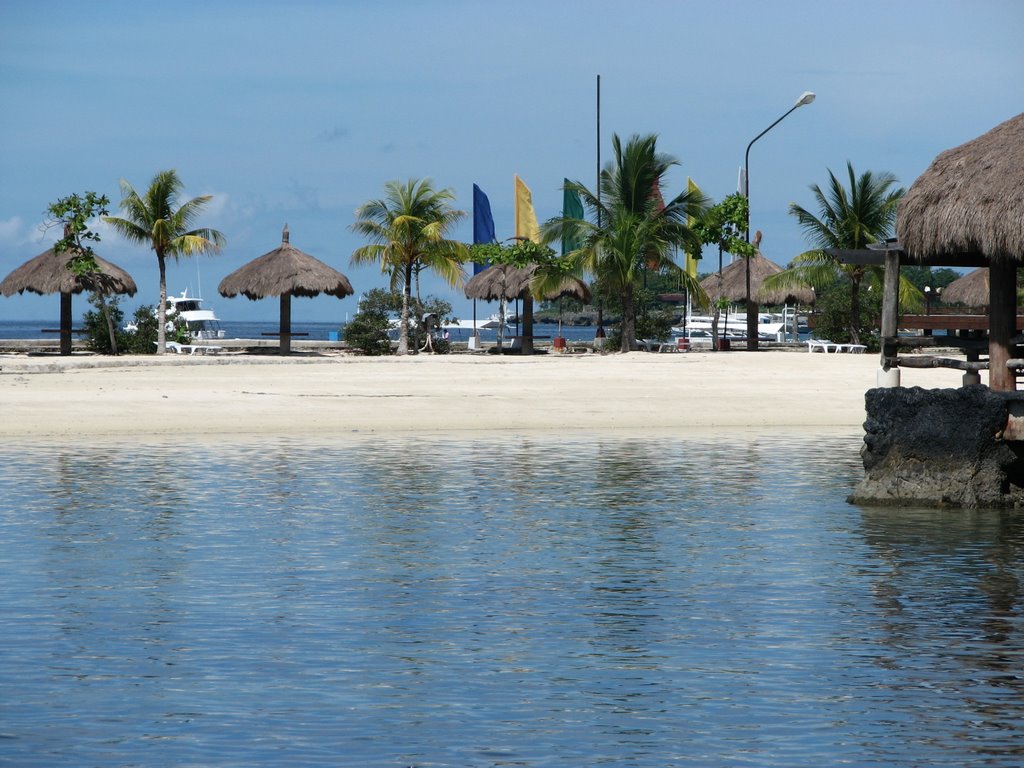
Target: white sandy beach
(87,396)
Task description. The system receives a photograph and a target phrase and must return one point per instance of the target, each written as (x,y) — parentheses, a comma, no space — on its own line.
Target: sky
(297,112)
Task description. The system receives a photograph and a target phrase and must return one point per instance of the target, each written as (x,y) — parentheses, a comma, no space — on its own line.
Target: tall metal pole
(599,334)
(806,98)
(598,188)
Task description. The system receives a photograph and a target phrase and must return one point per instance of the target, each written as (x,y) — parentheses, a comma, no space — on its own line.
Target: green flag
(572,208)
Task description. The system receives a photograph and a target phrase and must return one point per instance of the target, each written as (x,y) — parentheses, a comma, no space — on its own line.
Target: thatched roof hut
(970,200)
(499,281)
(285,271)
(502,280)
(972,289)
(970,203)
(48,273)
(732,284)
(571,288)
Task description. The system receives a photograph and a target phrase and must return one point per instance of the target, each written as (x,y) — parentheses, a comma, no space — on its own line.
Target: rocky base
(942,448)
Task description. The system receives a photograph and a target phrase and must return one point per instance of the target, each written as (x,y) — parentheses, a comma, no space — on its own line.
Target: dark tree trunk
(628,320)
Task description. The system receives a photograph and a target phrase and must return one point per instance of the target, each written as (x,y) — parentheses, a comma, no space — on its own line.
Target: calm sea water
(32,329)
(518,601)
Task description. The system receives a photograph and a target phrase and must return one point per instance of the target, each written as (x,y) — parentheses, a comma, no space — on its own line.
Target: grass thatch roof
(499,281)
(570,287)
(732,284)
(970,200)
(285,270)
(48,273)
(972,289)
(514,283)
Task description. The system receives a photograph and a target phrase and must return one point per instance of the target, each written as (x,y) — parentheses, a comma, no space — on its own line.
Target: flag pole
(599,334)
(599,149)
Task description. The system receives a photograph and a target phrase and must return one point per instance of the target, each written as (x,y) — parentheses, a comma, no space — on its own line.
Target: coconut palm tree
(157,220)
(407,229)
(633,228)
(848,219)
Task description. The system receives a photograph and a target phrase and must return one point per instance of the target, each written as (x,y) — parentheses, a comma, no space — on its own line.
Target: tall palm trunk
(628,320)
(403,332)
(855,309)
(161,312)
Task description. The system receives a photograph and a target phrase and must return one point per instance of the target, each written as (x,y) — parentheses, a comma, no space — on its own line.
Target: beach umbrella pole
(286,323)
(65,323)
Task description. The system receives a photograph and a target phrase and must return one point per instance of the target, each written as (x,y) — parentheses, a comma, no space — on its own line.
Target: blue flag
(483,222)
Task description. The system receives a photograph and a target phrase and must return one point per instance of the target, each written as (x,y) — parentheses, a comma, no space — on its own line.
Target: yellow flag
(526,219)
(691,262)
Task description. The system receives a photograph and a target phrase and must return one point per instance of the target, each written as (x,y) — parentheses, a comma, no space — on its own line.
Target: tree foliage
(847,219)
(723,225)
(408,229)
(630,227)
(370,328)
(156,219)
(832,314)
(74,213)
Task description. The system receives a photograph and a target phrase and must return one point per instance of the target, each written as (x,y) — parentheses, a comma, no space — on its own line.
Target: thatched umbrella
(499,282)
(568,287)
(48,273)
(285,272)
(972,289)
(732,284)
(502,283)
(969,203)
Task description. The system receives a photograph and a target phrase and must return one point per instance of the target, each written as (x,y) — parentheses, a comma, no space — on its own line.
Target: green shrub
(832,314)
(142,341)
(367,331)
(94,322)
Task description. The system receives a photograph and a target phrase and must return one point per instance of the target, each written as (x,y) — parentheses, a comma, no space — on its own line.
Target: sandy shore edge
(83,396)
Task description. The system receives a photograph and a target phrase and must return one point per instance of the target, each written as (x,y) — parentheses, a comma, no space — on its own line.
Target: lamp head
(805,98)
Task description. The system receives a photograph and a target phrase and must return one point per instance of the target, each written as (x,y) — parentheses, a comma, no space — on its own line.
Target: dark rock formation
(942,447)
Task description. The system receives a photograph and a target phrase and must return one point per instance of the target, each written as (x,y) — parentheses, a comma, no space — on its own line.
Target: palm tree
(633,228)
(155,219)
(848,219)
(407,228)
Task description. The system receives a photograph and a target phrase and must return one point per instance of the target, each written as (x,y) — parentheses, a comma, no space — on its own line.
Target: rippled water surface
(520,601)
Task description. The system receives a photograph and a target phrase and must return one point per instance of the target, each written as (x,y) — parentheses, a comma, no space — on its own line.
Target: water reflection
(516,601)
(955,575)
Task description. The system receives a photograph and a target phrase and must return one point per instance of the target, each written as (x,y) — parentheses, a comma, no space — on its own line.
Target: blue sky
(298,112)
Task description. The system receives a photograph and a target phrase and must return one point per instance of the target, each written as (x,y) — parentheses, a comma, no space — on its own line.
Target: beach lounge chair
(822,345)
(853,349)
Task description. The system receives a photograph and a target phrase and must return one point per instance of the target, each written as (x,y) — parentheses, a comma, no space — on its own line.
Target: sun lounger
(192,349)
(646,345)
(822,345)
(853,349)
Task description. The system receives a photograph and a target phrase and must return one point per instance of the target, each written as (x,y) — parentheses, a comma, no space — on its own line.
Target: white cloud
(10,231)
(17,235)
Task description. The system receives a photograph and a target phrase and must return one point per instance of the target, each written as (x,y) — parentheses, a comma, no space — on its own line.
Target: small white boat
(488,323)
(202,323)
(770,327)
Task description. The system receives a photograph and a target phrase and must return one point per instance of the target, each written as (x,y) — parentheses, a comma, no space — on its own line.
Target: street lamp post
(805,98)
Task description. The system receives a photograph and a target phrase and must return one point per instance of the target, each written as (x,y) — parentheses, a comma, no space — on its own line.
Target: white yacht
(202,323)
(770,326)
